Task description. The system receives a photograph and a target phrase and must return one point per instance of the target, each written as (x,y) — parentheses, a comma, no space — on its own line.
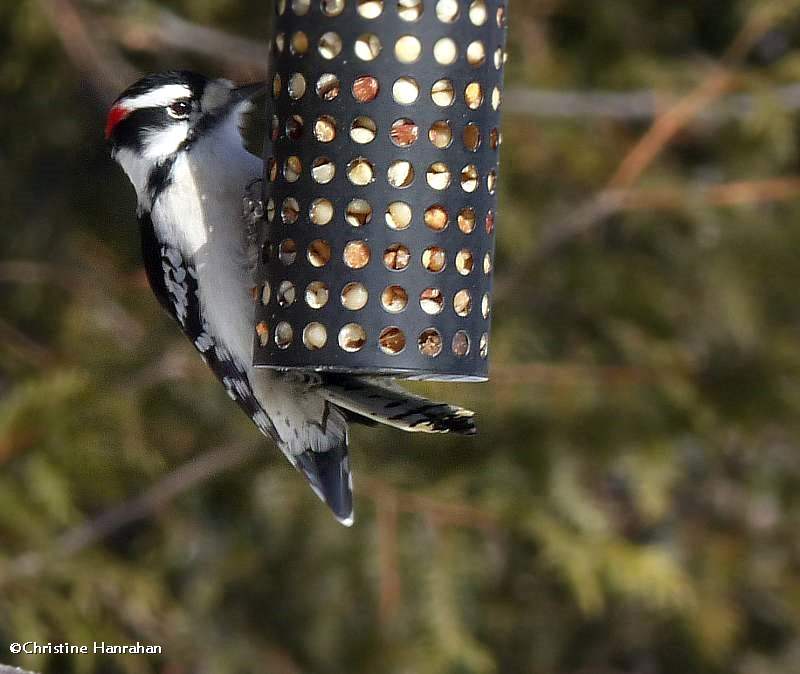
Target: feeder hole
(465,262)
(292,169)
(408,49)
(430,343)
(294,127)
(283,335)
(438,176)
(476,54)
(301,7)
(352,338)
(356,254)
(262,330)
(469,178)
(359,213)
(405,91)
(319,253)
(467,220)
(392,341)
(286,294)
(473,95)
(328,87)
(431,301)
(478,13)
(330,45)
(447,11)
(445,51)
(299,43)
(354,296)
(443,93)
(325,129)
(394,299)
(404,132)
(461,344)
(409,10)
(398,216)
(368,47)
(434,259)
(366,88)
(472,137)
(290,211)
(317,295)
(323,170)
(370,9)
(321,212)
(440,134)
(332,7)
(315,336)
(363,130)
(360,172)
(297,86)
(401,174)
(396,257)
(462,303)
(436,218)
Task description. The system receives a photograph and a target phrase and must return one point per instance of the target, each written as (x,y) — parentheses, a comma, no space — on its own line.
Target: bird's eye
(180,109)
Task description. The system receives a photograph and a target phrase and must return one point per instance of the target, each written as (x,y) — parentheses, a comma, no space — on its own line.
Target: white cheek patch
(158,98)
(160,143)
(137,172)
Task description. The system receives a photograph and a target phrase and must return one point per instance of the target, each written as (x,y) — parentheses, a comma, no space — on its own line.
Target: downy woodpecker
(177,136)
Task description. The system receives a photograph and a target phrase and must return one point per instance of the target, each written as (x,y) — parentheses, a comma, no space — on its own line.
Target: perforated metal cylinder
(381,183)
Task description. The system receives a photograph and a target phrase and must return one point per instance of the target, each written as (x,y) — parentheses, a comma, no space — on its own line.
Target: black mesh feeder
(380,187)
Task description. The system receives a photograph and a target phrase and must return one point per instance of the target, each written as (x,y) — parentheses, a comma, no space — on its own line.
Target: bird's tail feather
(393,406)
(328,474)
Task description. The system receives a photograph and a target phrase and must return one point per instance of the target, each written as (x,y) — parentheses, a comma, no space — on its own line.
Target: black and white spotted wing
(174,282)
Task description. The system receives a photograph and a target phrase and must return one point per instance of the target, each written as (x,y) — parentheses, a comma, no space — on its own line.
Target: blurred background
(632,504)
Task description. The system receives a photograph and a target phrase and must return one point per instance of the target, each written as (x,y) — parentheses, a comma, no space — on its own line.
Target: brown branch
(637,106)
(172,31)
(611,201)
(107,71)
(202,469)
(663,131)
(667,126)
(741,193)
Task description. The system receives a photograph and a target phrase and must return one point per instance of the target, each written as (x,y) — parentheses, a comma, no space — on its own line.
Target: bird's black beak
(248,92)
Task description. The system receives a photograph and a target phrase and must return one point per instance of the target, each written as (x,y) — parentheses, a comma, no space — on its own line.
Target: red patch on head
(115,116)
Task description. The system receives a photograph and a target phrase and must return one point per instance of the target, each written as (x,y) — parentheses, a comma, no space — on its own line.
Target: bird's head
(162,114)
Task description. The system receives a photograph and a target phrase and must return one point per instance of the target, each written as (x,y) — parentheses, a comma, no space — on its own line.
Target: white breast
(201,214)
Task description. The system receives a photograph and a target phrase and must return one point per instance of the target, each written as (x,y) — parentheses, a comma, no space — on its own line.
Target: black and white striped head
(164,113)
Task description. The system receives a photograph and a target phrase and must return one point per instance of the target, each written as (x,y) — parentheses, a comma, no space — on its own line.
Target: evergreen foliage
(631,503)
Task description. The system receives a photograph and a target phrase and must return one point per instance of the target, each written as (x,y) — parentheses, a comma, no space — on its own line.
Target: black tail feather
(328,473)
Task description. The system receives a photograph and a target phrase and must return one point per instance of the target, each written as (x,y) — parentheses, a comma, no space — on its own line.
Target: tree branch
(108,72)
(172,31)
(196,472)
(665,128)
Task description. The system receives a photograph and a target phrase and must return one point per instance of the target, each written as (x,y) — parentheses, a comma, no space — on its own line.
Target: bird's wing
(173,280)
